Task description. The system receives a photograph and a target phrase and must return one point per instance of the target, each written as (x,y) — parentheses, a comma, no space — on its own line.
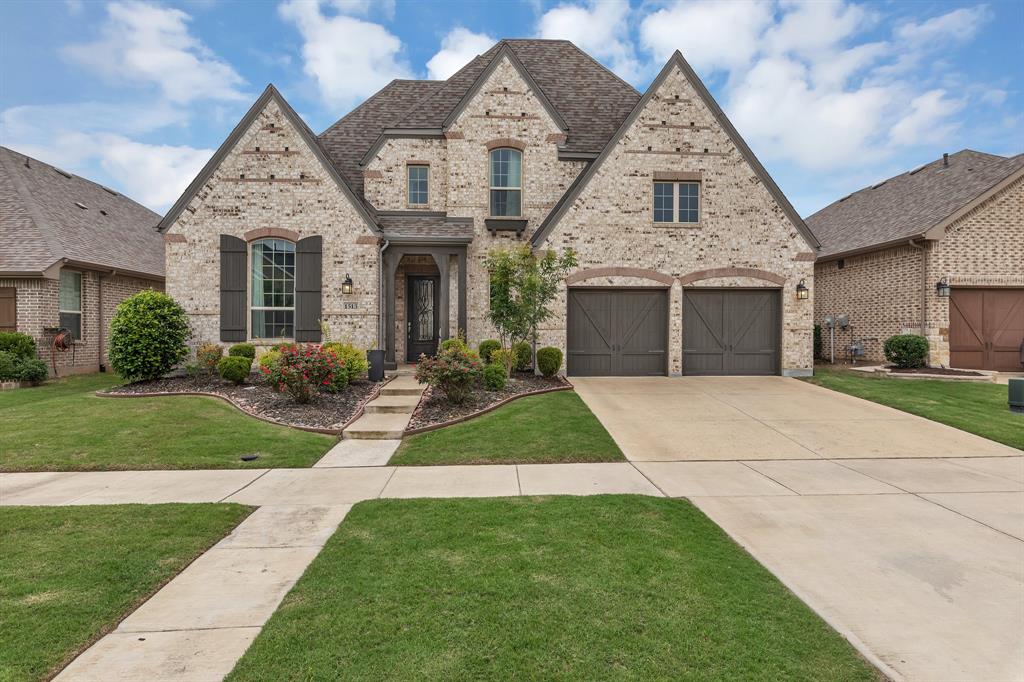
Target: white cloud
(994,96)
(600,28)
(958,26)
(711,35)
(349,58)
(926,120)
(150,44)
(458,48)
(35,121)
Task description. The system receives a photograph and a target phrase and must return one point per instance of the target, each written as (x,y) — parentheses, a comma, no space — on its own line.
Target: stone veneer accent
(881,290)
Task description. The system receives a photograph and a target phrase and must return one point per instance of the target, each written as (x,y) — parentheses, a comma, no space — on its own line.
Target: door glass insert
(424,310)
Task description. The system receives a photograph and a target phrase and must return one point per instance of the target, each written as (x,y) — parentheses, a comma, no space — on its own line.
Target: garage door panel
(617,332)
(731,332)
(986,328)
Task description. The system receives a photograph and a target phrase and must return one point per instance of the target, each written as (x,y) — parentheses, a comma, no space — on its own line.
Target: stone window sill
(691,226)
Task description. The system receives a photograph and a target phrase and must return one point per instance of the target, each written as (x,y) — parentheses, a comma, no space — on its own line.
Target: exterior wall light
(942,288)
(346,286)
(802,292)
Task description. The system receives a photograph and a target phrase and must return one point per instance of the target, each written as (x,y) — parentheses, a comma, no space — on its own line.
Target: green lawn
(69,574)
(553,427)
(569,588)
(62,426)
(978,408)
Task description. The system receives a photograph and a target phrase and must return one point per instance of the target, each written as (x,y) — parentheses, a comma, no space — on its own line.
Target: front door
(422,326)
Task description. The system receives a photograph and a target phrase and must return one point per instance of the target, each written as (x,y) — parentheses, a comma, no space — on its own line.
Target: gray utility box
(1017,395)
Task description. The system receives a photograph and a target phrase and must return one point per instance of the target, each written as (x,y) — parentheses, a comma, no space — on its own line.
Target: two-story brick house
(690,258)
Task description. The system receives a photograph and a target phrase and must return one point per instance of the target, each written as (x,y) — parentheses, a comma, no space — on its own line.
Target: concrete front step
(393,404)
(378,426)
(401,390)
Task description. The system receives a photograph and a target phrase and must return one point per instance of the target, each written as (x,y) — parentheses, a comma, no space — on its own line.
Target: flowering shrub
(454,371)
(302,371)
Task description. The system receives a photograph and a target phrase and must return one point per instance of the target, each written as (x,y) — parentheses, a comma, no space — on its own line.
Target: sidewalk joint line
(265,472)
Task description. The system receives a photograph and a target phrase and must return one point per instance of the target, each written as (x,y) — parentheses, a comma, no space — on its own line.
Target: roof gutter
(902,241)
(399,240)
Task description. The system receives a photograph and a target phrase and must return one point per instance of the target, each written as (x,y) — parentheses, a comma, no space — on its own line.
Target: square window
(417,184)
(677,202)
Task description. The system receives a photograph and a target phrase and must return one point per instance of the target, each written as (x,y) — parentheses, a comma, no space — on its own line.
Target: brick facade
(881,291)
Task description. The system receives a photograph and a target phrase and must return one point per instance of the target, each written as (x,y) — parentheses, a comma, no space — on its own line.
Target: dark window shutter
(308,273)
(233,277)
(8,309)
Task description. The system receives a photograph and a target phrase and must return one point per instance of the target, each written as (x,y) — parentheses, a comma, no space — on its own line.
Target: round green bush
(33,370)
(269,358)
(906,350)
(354,364)
(10,368)
(454,342)
(18,344)
(243,350)
(549,360)
(147,336)
(523,354)
(486,348)
(234,368)
(494,377)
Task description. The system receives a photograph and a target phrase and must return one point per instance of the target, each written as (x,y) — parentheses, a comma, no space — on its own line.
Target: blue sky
(832,96)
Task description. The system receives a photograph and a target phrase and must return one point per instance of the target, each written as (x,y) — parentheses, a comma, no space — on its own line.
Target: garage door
(617,332)
(986,328)
(731,331)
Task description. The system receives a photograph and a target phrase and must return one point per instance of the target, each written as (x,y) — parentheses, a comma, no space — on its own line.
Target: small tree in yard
(523,285)
(147,336)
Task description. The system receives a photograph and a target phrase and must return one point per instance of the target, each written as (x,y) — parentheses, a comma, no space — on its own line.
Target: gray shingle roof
(907,205)
(410,224)
(42,220)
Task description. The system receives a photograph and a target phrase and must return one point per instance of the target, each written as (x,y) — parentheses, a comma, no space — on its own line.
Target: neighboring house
(885,249)
(689,255)
(70,252)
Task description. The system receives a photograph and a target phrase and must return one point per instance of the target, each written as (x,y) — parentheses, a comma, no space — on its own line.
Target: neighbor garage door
(731,331)
(617,332)
(986,328)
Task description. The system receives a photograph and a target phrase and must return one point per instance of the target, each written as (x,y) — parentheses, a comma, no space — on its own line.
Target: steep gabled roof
(239,130)
(48,215)
(909,205)
(675,61)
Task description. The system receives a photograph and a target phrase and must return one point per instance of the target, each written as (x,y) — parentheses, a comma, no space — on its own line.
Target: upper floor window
(677,202)
(506,182)
(69,303)
(273,289)
(417,182)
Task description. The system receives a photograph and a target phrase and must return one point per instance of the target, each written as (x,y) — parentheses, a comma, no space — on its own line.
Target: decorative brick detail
(372,175)
(505,142)
(805,257)
(557,138)
(417,162)
(714,273)
(271,232)
(367,239)
(175,238)
(616,271)
(453,135)
(681,176)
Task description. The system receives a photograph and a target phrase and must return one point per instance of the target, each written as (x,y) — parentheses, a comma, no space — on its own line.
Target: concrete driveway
(905,535)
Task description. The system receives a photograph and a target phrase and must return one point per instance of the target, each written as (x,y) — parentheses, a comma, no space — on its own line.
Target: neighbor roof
(908,205)
(48,215)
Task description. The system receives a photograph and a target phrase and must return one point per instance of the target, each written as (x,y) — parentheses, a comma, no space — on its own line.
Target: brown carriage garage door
(617,332)
(986,329)
(731,331)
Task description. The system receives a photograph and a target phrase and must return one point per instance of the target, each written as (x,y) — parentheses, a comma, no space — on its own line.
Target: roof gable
(675,62)
(270,94)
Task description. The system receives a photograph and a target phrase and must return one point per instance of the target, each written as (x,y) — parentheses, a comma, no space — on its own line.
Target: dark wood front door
(617,332)
(986,329)
(423,300)
(731,331)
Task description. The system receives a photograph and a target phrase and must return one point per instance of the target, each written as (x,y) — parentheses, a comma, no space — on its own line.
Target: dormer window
(506,182)
(418,187)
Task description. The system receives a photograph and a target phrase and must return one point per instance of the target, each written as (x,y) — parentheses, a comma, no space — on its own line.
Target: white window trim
(408,187)
(81,295)
(676,207)
(490,177)
(251,332)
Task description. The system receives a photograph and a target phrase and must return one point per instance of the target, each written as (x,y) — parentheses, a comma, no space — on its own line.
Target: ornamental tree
(523,285)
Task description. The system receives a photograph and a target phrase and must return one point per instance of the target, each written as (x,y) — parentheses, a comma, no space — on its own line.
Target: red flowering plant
(454,371)
(302,371)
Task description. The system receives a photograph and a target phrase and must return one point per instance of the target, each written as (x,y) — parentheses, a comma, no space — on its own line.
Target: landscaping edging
(373,395)
(566,386)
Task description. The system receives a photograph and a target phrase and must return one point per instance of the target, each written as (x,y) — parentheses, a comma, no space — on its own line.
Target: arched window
(506,182)
(273,289)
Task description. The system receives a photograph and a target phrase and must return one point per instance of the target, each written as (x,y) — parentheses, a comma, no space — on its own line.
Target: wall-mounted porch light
(802,292)
(942,288)
(346,286)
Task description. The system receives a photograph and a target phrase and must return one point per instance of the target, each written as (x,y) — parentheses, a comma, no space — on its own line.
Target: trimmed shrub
(352,358)
(234,368)
(147,336)
(503,357)
(817,342)
(906,350)
(454,342)
(18,344)
(193,370)
(207,357)
(269,358)
(10,368)
(282,345)
(454,371)
(243,350)
(495,378)
(486,348)
(523,356)
(302,371)
(33,370)
(549,360)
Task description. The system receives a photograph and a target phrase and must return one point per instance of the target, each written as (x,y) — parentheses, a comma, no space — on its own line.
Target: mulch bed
(935,370)
(434,409)
(328,411)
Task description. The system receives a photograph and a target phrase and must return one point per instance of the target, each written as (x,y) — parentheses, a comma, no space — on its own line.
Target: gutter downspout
(924,286)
